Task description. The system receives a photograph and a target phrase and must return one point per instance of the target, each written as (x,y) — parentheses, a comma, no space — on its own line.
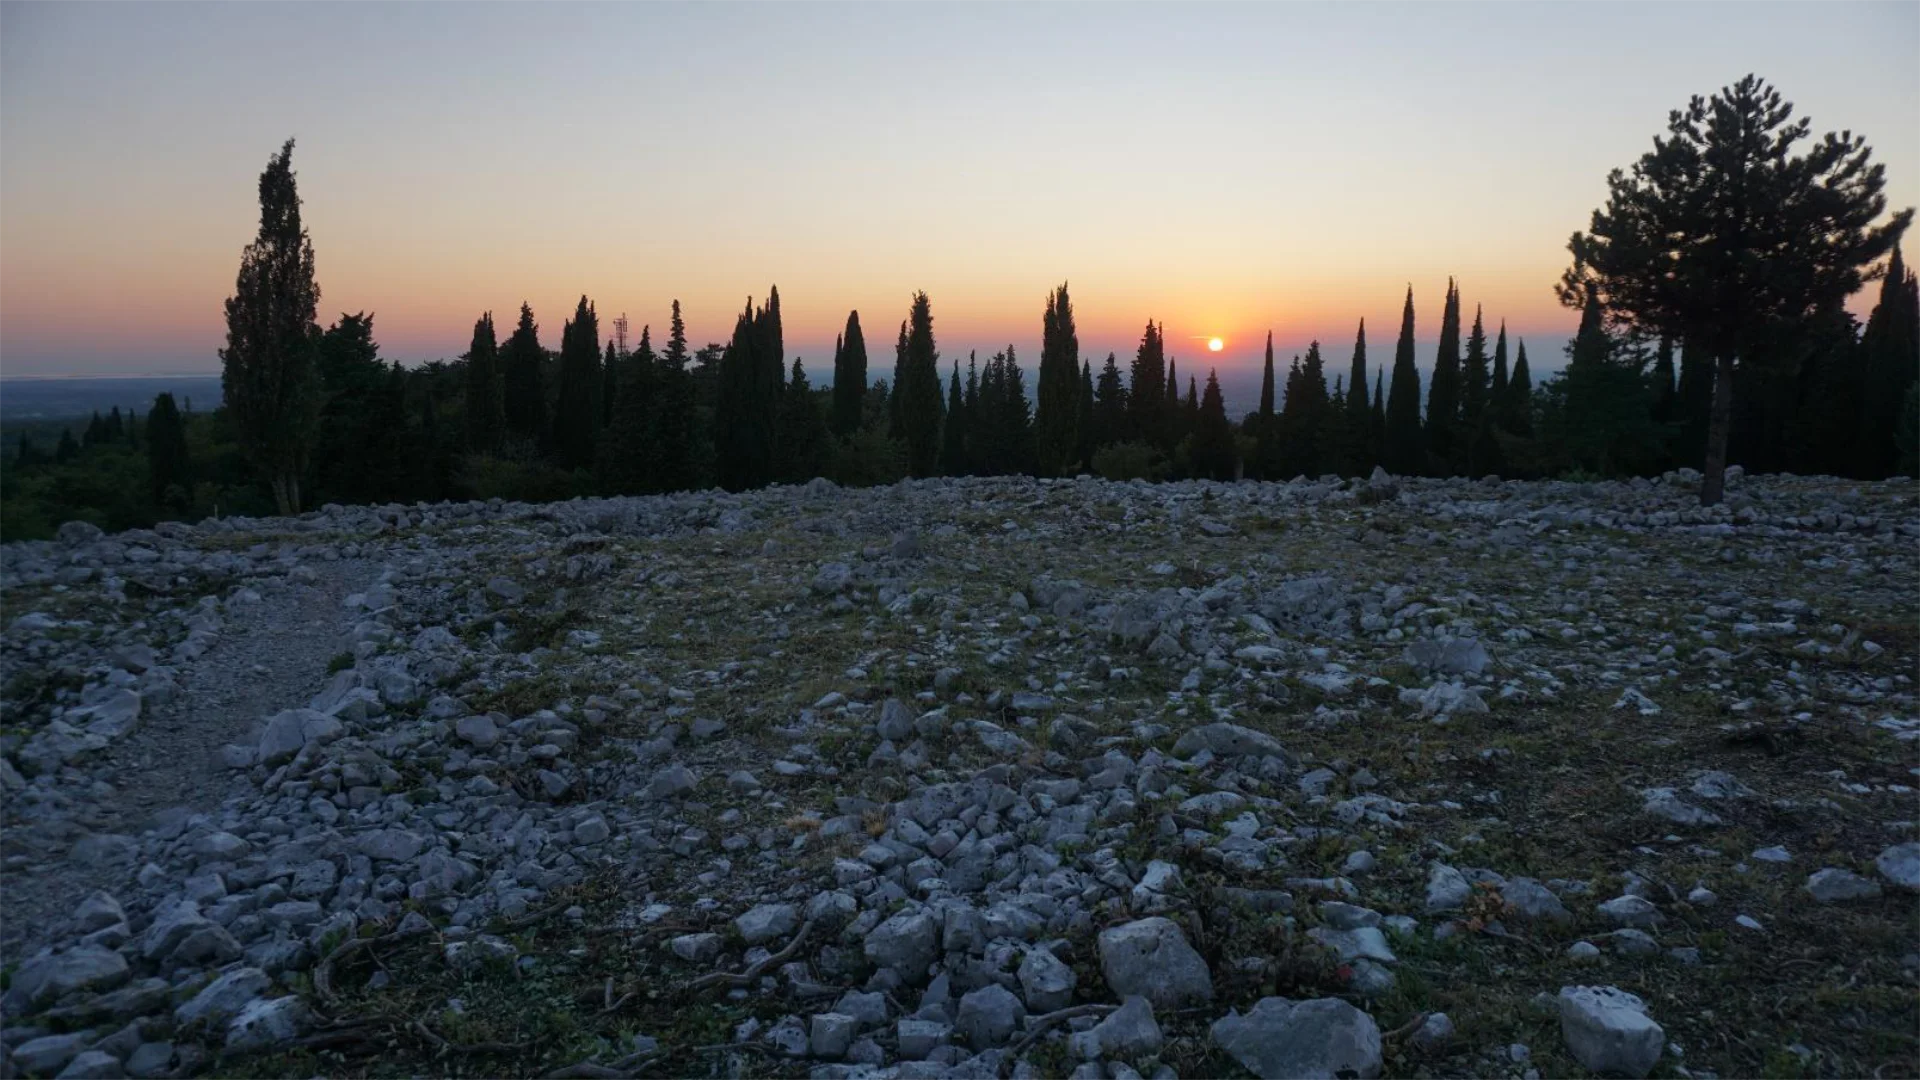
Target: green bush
(1130,461)
(867,458)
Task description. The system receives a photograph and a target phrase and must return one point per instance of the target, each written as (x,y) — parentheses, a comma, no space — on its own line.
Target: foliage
(1130,461)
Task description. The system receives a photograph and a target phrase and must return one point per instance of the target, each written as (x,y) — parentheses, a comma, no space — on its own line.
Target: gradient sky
(1224,169)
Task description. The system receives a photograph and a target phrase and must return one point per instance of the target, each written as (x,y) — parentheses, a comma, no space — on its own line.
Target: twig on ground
(754,971)
(1040,1025)
(1405,1029)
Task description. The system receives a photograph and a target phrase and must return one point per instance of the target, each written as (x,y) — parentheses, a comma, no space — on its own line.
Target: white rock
(1608,1031)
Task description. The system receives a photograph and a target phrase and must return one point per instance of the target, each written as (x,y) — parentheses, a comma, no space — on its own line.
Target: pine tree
(1891,363)
(1212,453)
(486,416)
(1443,392)
(1661,383)
(1109,406)
(1403,449)
(953,437)
(1190,416)
(1058,386)
(167,465)
(96,432)
(1266,384)
(1721,234)
(67,449)
(266,370)
(849,377)
(360,448)
(918,393)
(524,399)
(1147,390)
(804,440)
(576,421)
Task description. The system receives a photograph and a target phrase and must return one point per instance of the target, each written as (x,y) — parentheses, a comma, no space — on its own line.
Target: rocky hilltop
(974,778)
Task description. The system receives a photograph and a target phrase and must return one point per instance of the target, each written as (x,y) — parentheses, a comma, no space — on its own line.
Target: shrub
(1130,461)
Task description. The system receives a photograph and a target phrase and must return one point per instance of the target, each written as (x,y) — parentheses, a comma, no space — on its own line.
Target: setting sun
(1215,344)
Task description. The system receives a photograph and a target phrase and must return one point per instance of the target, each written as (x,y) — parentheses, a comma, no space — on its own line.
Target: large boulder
(1151,958)
(1280,1039)
(1608,1031)
(1228,740)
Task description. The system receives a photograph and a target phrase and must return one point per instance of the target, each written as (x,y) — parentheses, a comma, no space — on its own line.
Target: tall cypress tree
(849,377)
(919,391)
(486,415)
(525,395)
(1212,453)
(1377,420)
(1001,424)
(896,426)
(1474,378)
(747,398)
(1356,412)
(1109,406)
(267,368)
(804,440)
(953,437)
(1147,391)
(576,422)
(1520,395)
(167,465)
(1083,417)
(672,458)
(1266,384)
(1443,392)
(1497,390)
(1403,450)
(1173,424)
(1891,351)
(626,444)
(609,378)
(1266,426)
(1058,386)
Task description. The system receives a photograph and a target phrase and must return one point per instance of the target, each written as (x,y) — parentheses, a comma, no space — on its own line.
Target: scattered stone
(1321,1038)
(1608,1031)
(1151,958)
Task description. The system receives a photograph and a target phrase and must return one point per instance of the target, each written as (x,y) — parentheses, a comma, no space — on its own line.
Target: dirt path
(271,655)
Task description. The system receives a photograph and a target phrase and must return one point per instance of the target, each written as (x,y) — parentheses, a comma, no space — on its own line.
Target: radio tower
(620,335)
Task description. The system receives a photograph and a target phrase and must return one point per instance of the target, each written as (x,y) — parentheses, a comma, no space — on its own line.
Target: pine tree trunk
(1719,425)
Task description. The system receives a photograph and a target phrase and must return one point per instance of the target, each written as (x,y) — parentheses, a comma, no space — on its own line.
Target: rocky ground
(975,779)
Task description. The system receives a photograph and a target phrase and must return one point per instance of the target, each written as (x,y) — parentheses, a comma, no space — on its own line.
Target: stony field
(983,778)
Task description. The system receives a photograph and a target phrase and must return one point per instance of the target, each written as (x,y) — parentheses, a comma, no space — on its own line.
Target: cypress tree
(1266,385)
(1891,351)
(849,377)
(953,437)
(1109,406)
(1083,417)
(67,449)
(96,432)
(1472,439)
(576,421)
(1212,453)
(1058,386)
(626,445)
(609,377)
(1002,426)
(1520,395)
(803,438)
(918,394)
(267,368)
(1443,392)
(1377,420)
(1402,450)
(1172,424)
(1356,412)
(524,401)
(672,460)
(1497,390)
(116,429)
(1474,380)
(1909,435)
(1357,373)
(747,399)
(1147,392)
(1265,425)
(1190,416)
(896,427)
(486,416)
(166,451)
(26,455)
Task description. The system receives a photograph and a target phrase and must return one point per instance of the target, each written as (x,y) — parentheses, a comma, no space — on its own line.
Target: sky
(1224,169)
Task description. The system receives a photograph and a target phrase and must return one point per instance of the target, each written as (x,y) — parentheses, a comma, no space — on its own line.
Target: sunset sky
(1224,169)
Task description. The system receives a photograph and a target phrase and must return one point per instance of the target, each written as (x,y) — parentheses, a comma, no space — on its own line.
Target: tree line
(1713,329)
